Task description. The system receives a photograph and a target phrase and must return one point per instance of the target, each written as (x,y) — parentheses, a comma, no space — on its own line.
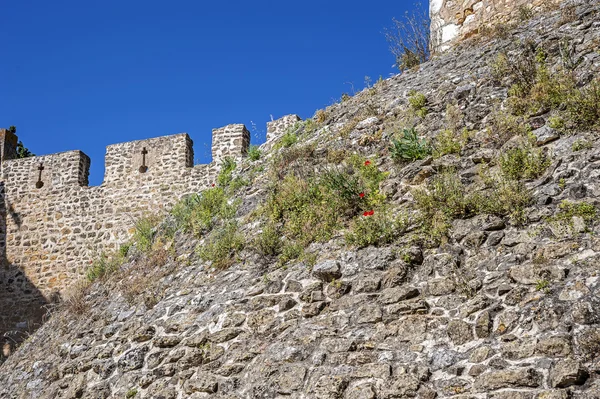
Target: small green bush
(418,103)
(562,221)
(222,245)
(254,153)
(103,266)
(145,229)
(504,198)
(523,162)
(291,251)
(409,147)
(288,139)
(198,213)
(580,145)
(568,209)
(226,174)
(503,126)
(268,242)
(447,142)
(583,106)
(377,229)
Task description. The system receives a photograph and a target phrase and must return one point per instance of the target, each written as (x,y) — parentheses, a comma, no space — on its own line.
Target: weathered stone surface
(567,372)
(460,332)
(521,377)
(328,270)
(133,359)
(429,316)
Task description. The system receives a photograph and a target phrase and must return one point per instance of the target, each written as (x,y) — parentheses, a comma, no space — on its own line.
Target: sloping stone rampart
(53,225)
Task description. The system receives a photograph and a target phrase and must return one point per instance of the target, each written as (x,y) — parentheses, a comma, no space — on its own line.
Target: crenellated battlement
(53,225)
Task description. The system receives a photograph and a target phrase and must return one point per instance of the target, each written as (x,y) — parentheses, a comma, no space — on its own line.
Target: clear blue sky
(81,74)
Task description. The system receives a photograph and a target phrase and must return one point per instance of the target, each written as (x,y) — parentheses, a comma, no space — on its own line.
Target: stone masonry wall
(453,20)
(52,225)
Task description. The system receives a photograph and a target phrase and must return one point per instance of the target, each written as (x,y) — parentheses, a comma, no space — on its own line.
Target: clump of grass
(291,251)
(504,198)
(446,198)
(534,88)
(523,162)
(254,153)
(75,300)
(447,142)
(443,199)
(288,139)
(583,106)
(379,228)
(100,267)
(418,103)
(503,126)
(314,206)
(226,174)
(142,280)
(525,13)
(292,158)
(585,210)
(409,147)
(581,145)
(348,128)
(222,245)
(563,220)
(145,229)
(198,213)
(268,242)
(321,116)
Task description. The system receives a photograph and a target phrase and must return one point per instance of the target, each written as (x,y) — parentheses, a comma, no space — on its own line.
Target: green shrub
(409,147)
(145,229)
(291,251)
(447,142)
(288,139)
(268,242)
(198,213)
(418,103)
(445,193)
(583,106)
(563,223)
(568,209)
(580,145)
(377,229)
(222,245)
(254,153)
(503,126)
(290,157)
(504,198)
(302,207)
(226,174)
(523,162)
(346,188)
(445,198)
(103,266)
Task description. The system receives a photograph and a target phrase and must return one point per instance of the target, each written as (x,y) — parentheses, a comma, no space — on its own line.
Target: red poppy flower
(213,185)
(367,162)
(369,213)
(361,195)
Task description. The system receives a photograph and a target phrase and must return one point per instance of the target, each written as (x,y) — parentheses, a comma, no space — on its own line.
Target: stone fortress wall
(454,20)
(53,225)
